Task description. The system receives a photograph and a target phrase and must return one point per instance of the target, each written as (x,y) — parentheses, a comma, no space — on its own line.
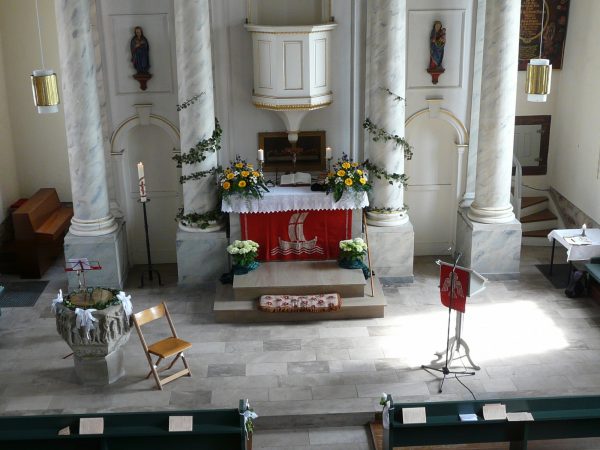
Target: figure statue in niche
(140,57)
(437,42)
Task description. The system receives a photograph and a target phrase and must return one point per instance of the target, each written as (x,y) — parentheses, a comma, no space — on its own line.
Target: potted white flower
(244,255)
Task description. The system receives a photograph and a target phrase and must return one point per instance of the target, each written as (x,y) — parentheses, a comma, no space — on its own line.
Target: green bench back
(554,418)
(212,429)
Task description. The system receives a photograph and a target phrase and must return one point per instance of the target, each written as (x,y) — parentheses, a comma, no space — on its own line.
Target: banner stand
(456,284)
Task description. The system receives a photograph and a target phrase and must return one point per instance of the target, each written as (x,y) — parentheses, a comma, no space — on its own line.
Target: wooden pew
(554,418)
(217,429)
(40,225)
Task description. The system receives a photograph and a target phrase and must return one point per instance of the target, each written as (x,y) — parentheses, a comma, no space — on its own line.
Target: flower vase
(352,262)
(243,269)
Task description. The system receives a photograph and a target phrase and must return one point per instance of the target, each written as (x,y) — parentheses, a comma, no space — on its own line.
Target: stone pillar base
(109,249)
(393,251)
(100,370)
(492,249)
(201,257)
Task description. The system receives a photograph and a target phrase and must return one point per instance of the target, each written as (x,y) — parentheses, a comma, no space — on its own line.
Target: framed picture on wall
(278,155)
(553,34)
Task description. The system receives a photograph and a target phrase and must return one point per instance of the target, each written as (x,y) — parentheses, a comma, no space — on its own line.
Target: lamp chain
(37,14)
(542,30)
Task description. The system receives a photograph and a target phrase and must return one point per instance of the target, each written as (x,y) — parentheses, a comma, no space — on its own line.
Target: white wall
(454,86)
(233,68)
(9,186)
(39,141)
(575,134)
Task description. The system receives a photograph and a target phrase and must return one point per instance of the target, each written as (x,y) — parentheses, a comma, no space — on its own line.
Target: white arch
(117,140)
(462,135)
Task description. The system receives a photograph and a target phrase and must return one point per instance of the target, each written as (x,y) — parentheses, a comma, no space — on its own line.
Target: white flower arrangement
(243,252)
(353,248)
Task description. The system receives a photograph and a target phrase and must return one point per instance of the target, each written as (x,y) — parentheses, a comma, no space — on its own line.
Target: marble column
(488,235)
(94,233)
(201,256)
(197,122)
(469,193)
(391,236)
(386,66)
(497,113)
(83,120)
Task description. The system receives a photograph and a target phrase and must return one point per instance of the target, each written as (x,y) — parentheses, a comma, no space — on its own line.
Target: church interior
(353,210)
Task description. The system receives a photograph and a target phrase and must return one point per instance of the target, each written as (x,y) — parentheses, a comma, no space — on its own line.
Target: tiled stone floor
(529,339)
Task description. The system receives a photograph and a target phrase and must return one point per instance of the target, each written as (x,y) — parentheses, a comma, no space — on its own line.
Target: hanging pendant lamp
(43,81)
(539,73)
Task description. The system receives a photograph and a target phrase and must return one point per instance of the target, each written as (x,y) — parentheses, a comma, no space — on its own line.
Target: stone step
(531,205)
(299,278)
(541,220)
(365,306)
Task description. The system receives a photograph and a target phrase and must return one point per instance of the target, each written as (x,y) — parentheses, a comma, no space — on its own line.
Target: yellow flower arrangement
(346,175)
(241,179)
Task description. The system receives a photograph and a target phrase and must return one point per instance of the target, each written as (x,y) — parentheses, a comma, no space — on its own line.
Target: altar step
(240,302)
(299,278)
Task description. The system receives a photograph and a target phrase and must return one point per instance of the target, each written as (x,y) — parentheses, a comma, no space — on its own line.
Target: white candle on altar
(583,228)
(328,153)
(141,181)
(261,154)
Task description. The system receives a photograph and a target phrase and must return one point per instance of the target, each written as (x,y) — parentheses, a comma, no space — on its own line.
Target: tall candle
(327,152)
(261,154)
(141,181)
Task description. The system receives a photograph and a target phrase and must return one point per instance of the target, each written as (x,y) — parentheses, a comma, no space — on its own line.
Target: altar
(295,223)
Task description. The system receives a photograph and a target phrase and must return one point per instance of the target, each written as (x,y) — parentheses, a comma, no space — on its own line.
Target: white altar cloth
(293,199)
(578,252)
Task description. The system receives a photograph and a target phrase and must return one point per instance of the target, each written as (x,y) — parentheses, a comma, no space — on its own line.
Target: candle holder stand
(149,268)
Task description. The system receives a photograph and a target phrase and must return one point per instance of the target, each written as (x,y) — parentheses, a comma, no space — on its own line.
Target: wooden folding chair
(163,349)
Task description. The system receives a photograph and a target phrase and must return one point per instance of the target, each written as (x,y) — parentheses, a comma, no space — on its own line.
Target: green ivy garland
(380,134)
(99,306)
(382,174)
(195,155)
(201,219)
(198,153)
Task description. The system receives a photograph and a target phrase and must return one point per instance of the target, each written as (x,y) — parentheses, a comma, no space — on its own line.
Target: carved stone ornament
(110,332)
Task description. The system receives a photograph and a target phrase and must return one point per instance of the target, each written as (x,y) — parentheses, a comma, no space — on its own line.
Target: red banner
(461,287)
(297,235)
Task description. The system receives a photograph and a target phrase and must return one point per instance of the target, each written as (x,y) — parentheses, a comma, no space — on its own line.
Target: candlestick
(328,153)
(583,228)
(261,154)
(141,182)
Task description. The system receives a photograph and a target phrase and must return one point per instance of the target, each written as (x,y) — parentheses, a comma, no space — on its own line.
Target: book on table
(295,179)
(578,240)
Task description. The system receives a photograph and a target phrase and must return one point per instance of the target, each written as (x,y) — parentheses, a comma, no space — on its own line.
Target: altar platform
(239,303)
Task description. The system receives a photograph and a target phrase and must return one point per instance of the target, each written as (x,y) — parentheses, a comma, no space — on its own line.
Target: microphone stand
(445,370)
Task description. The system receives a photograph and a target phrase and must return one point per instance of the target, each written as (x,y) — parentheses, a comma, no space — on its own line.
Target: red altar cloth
(297,235)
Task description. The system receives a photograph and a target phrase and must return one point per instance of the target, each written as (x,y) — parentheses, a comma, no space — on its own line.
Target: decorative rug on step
(20,293)
(560,274)
(300,303)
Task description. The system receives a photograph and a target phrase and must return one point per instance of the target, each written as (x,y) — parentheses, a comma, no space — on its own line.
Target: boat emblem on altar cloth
(297,243)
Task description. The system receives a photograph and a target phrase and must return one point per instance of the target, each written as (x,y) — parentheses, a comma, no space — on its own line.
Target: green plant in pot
(244,255)
(351,256)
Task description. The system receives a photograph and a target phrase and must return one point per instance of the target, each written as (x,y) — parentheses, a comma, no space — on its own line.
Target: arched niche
(153,140)
(436,176)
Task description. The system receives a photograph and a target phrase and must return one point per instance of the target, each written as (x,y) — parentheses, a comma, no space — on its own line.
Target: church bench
(554,418)
(212,429)
(39,226)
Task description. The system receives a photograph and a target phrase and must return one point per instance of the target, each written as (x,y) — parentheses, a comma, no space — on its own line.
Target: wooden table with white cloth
(575,252)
